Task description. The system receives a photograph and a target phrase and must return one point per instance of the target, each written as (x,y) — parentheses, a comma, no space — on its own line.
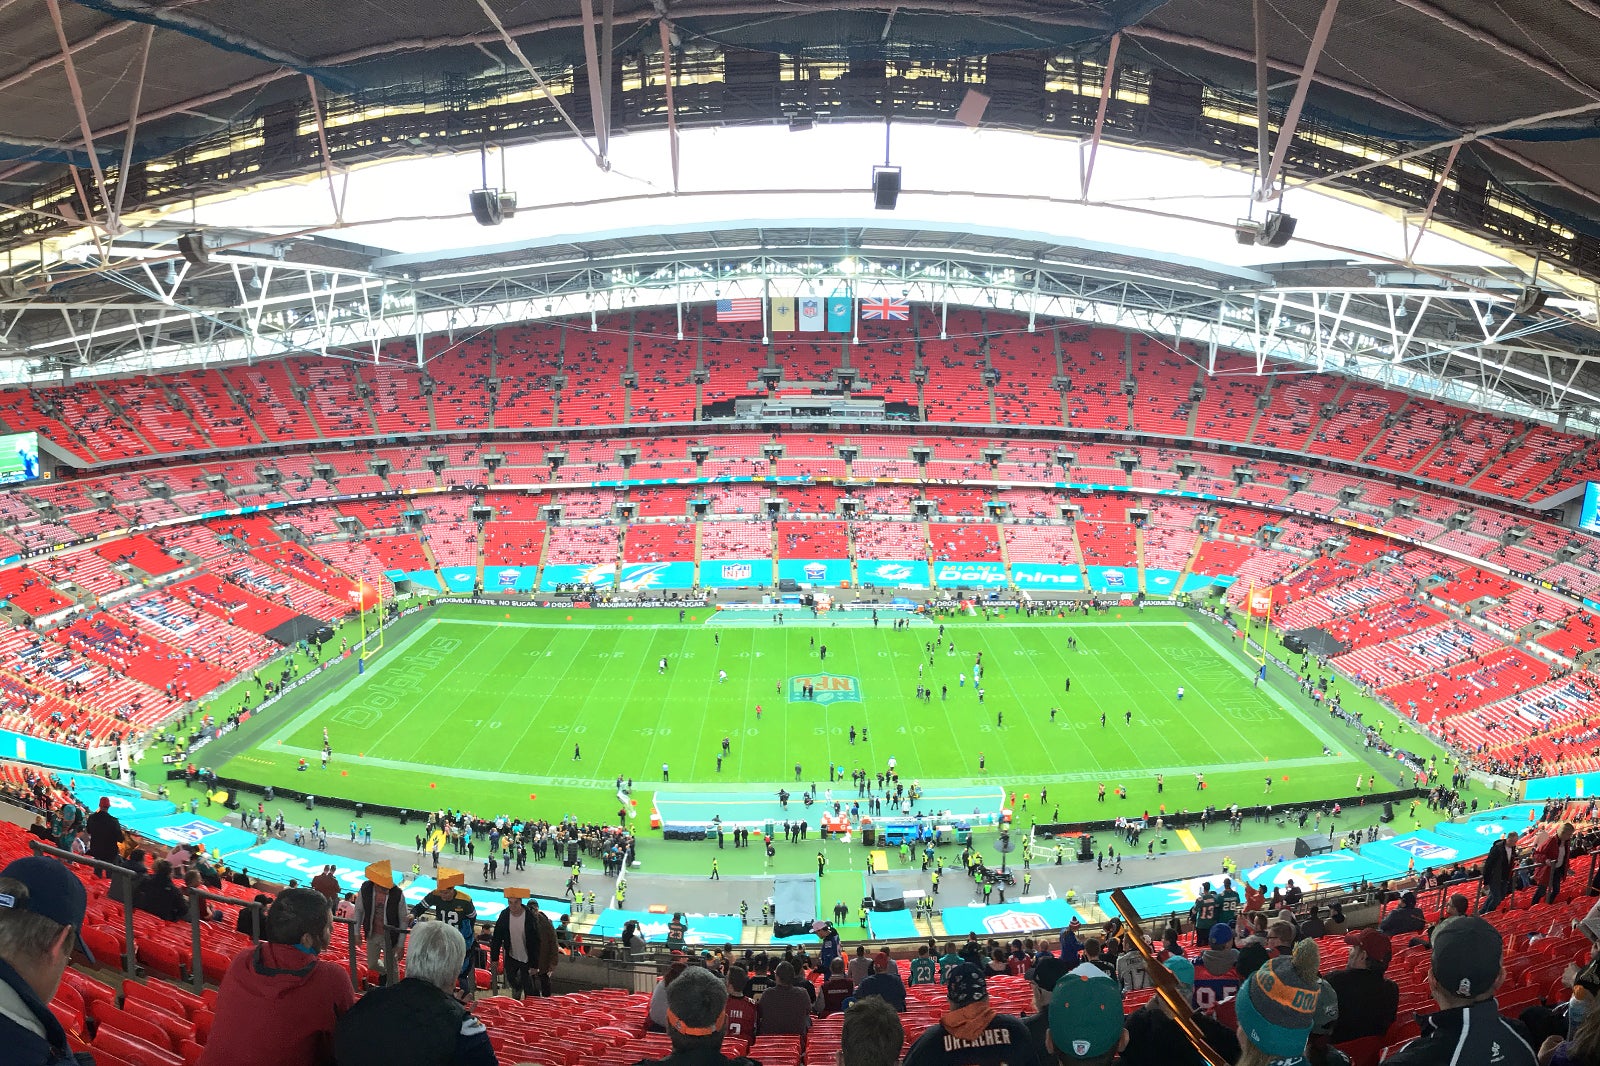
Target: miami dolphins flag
(783,314)
(840,318)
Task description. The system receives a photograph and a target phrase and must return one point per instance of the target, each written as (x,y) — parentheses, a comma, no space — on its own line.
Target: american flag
(742,310)
(897,310)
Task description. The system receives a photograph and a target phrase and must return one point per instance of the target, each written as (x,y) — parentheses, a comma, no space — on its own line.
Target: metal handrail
(130,963)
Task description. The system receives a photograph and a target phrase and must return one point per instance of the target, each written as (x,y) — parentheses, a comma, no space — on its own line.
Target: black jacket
(1466,1036)
(1368,1003)
(1497,866)
(412,1022)
(160,897)
(105,835)
(538,938)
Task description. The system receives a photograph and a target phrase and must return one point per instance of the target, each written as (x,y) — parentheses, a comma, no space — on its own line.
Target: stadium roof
(1475,119)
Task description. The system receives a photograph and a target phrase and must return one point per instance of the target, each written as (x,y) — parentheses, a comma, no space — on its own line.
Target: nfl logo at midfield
(825,689)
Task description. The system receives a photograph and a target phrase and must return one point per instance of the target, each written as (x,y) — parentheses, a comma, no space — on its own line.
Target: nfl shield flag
(812,319)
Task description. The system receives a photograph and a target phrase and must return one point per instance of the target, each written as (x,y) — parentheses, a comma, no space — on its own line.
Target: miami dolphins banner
(1009,919)
(635,577)
(1323,871)
(976,575)
(459,578)
(826,572)
(892,573)
(1161,582)
(735,573)
(1038,576)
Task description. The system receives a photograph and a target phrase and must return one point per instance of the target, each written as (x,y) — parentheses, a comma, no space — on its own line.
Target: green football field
(474,708)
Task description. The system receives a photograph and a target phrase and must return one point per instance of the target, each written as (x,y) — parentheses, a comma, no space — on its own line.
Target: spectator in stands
(249,916)
(42,905)
(1551,860)
(278,1002)
(1046,972)
(1220,956)
(835,990)
(1086,1022)
(1499,870)
(327,884)
(417,1021)
(1154,1037)
(1406,918)
(1465,971)
(860,966)
(1131,972)
(884,981)
(158,895)
(529,941)
(1368,1000)
(785,1007)
(741,1008)
(872,1034)
(971,1033)
(696,1021)
(380,918)
(1277,1007)
(105,835)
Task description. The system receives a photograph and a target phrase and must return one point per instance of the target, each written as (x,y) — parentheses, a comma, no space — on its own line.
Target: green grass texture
(482,709)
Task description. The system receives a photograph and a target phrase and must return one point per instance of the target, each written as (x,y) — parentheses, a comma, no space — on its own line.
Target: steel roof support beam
(599,90)
(1107,87)
(76,90)
(672,110)
(1291,118)
(1263,93)
(1363,93)
(322,144)
(115,225)
(1433,201)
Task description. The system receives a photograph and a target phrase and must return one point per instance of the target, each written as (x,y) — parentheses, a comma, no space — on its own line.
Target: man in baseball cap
(971,1033)
(41,910)
(1086,1026)
(1368,1000)
(1467,1030)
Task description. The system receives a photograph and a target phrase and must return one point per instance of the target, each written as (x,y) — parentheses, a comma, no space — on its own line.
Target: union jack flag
(883,309)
